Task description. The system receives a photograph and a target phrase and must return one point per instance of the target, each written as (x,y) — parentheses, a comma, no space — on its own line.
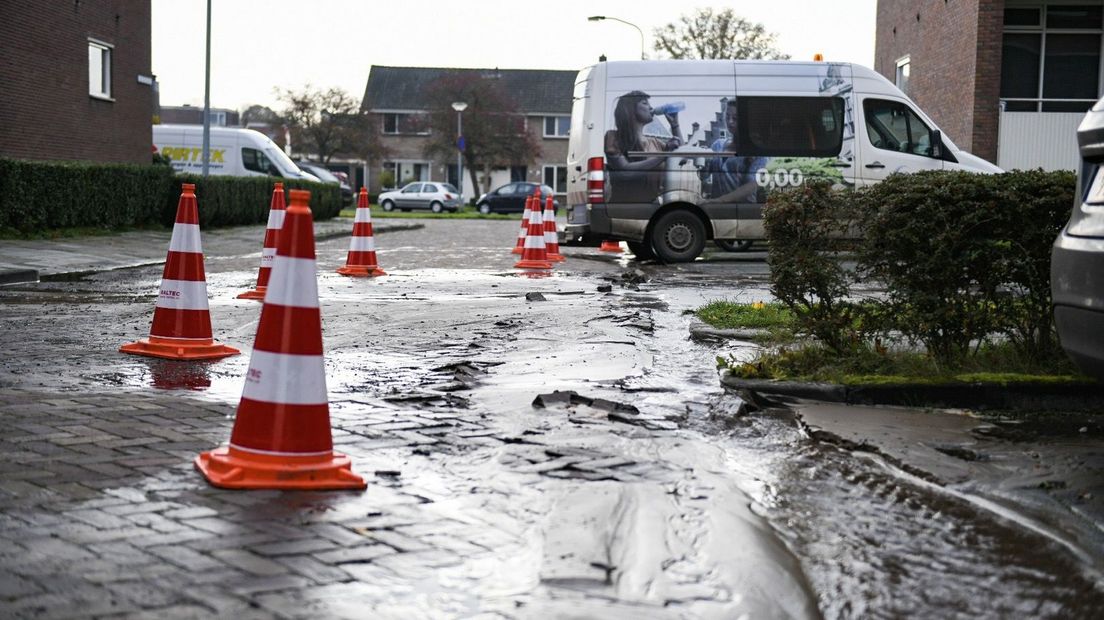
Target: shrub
(933,239)
(1036,207)
(806,227)
(964,256)
(36,196)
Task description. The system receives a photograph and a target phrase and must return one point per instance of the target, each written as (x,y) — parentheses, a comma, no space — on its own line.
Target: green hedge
(37,196)
(964,259)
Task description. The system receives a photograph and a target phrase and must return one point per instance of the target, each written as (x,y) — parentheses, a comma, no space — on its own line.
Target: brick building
(192,115)
(1007,80)
(76,80)
(542,97)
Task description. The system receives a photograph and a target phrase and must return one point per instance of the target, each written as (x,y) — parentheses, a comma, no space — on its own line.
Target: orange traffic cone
(519,248)
(535,255)
(610,246)
(361,261)
(281,437)
(268,251)
(551,240)
(181,327)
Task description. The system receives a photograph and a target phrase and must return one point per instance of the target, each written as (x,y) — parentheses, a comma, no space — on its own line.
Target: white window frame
(555,177)
(1041,29)
(398,124)
(901,76)
(556,123)
(107,54)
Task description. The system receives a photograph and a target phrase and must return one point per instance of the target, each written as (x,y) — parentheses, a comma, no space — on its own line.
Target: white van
(668,154)
(234,152)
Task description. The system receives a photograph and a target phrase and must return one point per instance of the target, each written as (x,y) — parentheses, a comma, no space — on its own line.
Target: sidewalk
(26,261)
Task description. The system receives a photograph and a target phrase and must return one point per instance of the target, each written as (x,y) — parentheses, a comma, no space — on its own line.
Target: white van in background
(669,154)
(234,152)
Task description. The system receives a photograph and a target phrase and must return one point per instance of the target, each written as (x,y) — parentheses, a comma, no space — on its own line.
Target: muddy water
(846,530)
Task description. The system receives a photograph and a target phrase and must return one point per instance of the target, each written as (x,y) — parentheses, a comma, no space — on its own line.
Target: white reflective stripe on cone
(267,256)
(185,238)
(285,378)
(534,242)
(524,232)
(549,237)
(363,244)
(293,283)
(276,219)
(182,295)
(363,216)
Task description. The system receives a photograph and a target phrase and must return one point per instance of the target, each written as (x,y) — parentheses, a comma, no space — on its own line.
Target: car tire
(642,250)
(484,208)
(388,205)
(678,236)
(436,207)
(739,245)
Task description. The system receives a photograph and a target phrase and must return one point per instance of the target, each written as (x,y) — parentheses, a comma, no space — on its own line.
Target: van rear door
(578,149)
(893,138)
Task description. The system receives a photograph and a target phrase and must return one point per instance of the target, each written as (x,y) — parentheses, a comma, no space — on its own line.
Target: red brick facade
(954,48)
(46,112)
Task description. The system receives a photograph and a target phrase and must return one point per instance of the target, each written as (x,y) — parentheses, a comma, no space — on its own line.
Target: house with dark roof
(396,96)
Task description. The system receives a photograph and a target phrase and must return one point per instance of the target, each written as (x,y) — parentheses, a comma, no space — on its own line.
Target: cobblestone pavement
(648,494)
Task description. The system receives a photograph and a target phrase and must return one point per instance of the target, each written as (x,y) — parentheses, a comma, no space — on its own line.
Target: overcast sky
(258,45)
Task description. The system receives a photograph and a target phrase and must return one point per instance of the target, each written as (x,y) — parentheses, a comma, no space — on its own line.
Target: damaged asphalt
(535,447)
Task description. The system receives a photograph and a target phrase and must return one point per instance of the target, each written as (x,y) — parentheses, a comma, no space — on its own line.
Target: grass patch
(758,315)
(999,364)
(465,213)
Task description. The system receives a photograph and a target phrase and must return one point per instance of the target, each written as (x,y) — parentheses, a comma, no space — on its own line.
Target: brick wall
(954,48)
(45,110)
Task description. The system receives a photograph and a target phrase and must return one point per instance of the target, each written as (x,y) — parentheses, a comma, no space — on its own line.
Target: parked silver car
(1077,260)
(435,196)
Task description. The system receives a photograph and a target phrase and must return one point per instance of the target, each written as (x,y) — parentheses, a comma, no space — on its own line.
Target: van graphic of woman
(731,178)
(636,178)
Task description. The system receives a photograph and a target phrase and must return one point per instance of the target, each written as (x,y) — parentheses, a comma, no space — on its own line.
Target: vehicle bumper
(1077,288)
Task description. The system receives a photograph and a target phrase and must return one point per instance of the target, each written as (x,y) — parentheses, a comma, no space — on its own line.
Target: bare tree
(257,113)
(326,122)
(722,34)
(494,130)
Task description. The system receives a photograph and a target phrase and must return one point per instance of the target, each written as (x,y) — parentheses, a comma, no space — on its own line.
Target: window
(557,126)
(395,123)
(556,178)
(518,174)
(1051,56)
(99,69)
(893,126)
(413,188)
(257,161)
(218,119)
(903,74)
(790,126)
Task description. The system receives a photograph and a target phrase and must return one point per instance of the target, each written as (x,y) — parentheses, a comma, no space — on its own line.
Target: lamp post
(598,18)
(460,106)
(207,98)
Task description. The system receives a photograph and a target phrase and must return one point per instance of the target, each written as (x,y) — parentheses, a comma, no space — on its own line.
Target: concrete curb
(703,331)
(1086,397)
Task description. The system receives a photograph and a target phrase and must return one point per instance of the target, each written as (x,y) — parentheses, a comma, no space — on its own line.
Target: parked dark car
(1077,260)
(326,176)
(510,198)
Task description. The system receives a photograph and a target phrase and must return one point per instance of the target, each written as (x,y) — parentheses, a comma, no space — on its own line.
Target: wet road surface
(679,503)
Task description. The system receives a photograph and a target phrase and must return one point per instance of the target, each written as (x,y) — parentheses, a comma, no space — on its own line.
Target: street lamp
(598,18)
(460,106)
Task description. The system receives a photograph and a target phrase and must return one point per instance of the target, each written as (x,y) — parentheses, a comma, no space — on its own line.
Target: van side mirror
(936,141)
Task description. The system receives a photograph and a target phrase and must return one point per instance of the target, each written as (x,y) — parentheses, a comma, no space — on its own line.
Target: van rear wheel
(678,236)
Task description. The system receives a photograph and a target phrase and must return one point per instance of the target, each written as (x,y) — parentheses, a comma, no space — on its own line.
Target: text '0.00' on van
(234,152)
(667,154)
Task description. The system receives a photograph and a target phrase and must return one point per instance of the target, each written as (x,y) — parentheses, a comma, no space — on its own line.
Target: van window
(894,126)
(790,126)
(256,161)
